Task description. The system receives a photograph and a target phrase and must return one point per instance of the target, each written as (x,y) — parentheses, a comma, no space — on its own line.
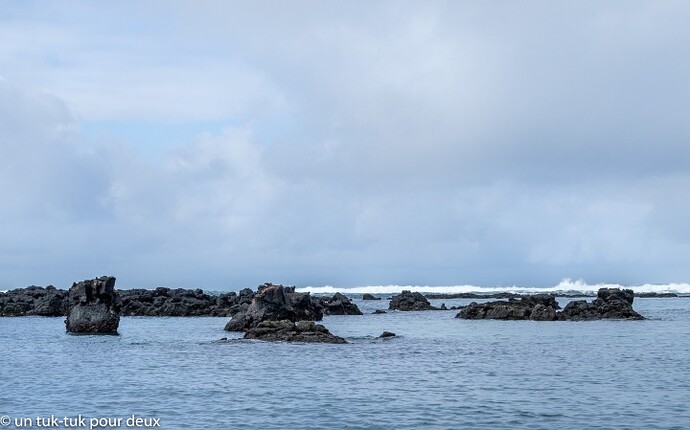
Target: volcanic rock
(611,303)
(276,303)
(538,307)
(339,305)
(409,301)
(33,300)
(289,331)
(93,307)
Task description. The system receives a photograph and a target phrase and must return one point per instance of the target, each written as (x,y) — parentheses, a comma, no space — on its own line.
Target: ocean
(438,373)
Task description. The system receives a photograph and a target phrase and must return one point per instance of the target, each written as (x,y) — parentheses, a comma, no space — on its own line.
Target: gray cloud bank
(368,143)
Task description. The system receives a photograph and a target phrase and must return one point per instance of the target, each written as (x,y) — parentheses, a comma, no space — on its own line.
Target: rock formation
(538,307)
(93,307)
(289,331)
(367,296)
(276,303)
(183,303)
(338,305)
(409,301)
(47,302)
(611,303)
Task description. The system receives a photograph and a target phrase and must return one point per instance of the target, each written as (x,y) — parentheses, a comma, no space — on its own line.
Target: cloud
(431,142)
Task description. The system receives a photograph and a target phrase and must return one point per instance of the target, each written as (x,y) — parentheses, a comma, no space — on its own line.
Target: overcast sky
(224,144)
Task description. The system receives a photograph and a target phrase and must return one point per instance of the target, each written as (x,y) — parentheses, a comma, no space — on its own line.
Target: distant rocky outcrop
(611,303)
(183,303)
(93,307)
(446,296)
(409,301)
(33,300)
(538,307)
(289,331)
(162,301)
(338,304)
(655,295)
(387,334)
(367,296)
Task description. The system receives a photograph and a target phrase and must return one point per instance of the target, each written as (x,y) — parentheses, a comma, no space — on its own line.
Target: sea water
(439,372)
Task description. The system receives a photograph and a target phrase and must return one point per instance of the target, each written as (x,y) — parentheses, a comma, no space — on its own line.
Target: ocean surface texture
(439,373)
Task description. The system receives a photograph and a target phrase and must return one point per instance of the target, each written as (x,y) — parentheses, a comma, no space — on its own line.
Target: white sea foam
(566,285)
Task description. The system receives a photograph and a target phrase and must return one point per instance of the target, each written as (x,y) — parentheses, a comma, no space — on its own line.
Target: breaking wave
(567,285)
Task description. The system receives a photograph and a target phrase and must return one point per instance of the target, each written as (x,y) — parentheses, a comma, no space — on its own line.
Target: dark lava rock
(276,303)
(338,305)
(33,300)
(379,311)
(409,301)
(611,303)
(161,301)
(93,307)
(540,307)
(368,296)
(447,296)
(655,295)
(183,302)
(387,334)
(289,331)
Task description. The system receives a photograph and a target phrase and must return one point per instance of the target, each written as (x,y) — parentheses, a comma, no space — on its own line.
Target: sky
(222,144)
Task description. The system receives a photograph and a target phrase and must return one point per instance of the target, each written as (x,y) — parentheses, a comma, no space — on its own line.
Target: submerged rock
(409,301)
(367,296)
(339,305)
(379,311)
(289,331)
(611,303)
(387,334)
(276,303)
(93,307)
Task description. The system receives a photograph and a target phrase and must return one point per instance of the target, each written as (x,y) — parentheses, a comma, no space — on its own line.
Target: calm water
(440,372)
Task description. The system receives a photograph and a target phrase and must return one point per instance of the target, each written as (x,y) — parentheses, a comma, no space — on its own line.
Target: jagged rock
(611,303)
(276,303)
(538,307)
(387,334)
(443,307)
(368,296)
(181,302)
(409,301)
(338,305)
(289,331)
(33,300)
(161,301)
(93,307)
